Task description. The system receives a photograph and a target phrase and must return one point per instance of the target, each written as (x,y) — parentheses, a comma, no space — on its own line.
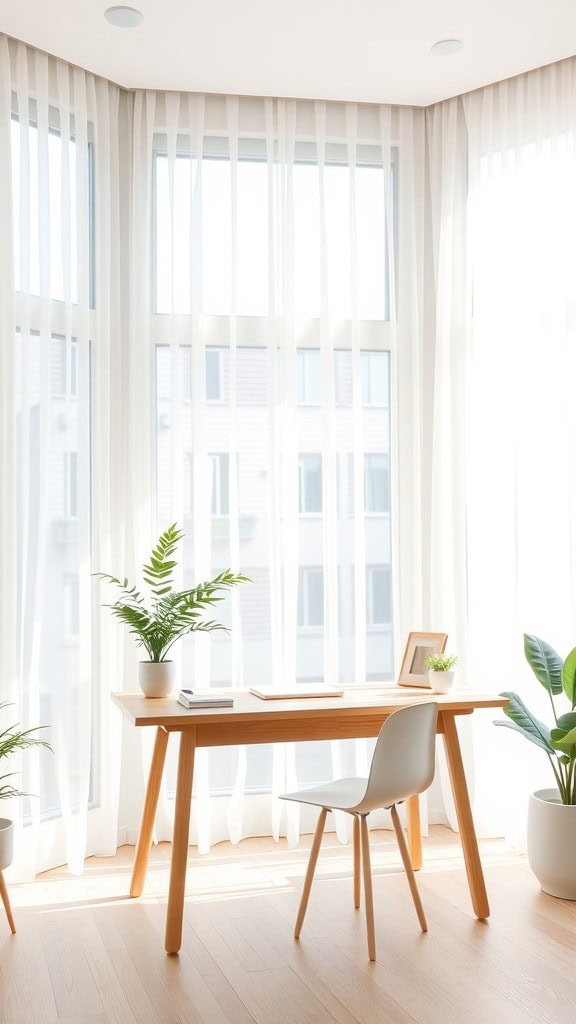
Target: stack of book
(190,700)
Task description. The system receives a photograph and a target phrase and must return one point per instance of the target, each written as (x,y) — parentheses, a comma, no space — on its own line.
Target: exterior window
(71,484)
(378,596)
(64,367)
(311,598)
(213,375)
(374,369)
(308,380)
(376,484)
(72,370)
(310,468)
(71,609)
(220,490)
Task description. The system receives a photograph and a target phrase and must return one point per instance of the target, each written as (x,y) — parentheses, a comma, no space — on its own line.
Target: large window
(254,452)
(53,275)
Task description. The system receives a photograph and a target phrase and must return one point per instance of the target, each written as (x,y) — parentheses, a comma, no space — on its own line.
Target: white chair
(402,766)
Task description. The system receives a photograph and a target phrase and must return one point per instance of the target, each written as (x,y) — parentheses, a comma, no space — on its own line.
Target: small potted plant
(440,674)
(11,741)
(551,837)
(166,615)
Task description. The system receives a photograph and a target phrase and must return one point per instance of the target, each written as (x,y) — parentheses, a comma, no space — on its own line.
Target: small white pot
(156,678)
(551,842)
(440,682)
(6,842)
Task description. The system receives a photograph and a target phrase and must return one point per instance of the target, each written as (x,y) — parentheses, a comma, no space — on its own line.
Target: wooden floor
(86,954)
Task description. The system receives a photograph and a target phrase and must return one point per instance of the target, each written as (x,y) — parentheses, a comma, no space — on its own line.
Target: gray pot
(6,842)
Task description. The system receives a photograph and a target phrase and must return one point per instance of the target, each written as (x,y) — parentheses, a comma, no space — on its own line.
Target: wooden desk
(359,713)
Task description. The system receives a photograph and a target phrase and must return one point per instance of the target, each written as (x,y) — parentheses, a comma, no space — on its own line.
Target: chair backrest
(404,757)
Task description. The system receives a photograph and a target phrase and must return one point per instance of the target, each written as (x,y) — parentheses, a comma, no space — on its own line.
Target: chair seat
(340,795)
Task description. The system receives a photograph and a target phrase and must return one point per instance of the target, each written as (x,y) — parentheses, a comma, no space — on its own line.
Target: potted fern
(12,740)
(551,836)
(164,615)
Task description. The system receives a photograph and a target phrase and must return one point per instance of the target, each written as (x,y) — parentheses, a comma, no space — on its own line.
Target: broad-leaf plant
(164,615)
(557,676)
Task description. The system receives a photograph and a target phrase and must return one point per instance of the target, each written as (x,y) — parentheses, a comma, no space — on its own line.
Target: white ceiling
(364,50)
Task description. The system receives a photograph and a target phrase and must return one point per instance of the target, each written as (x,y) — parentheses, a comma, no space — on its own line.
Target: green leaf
(568,739)
(569,677)
(567,721)
(545,663)
(564,741)
(525,722)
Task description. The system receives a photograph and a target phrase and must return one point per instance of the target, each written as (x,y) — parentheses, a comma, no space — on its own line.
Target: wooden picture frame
(418,647)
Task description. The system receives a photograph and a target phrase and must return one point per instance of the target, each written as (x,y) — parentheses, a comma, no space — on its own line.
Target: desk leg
(6,902)
(414,832)
(464,815)
(149,813)
(175,910)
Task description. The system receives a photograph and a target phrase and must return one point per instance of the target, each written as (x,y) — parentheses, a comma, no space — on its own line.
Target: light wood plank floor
(86,954)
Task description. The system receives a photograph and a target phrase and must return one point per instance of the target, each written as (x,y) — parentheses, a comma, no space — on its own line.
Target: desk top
(361,703)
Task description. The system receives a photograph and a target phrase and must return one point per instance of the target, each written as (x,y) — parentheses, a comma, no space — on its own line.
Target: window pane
(172,237)
(310,598)
(175,243)
(375,386)
(175,190)
(379,597)
(53,459)
(213,375)
(309,378)
(377,484)
(46,255)
(311,483)
(220,485)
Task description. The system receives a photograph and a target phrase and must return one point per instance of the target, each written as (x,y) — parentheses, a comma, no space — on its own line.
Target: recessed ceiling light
(124,17)
(446,47)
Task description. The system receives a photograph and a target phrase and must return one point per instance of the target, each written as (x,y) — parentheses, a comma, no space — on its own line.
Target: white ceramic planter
(6,842)
(551,843)
(440,682)
(156,678)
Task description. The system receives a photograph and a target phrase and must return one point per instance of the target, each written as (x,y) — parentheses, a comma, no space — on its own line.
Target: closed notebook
(296,692)
(204,700)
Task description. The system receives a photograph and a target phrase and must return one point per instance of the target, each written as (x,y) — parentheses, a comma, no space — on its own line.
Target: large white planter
(6,842)
(440,682)
(156,678)
(552,843)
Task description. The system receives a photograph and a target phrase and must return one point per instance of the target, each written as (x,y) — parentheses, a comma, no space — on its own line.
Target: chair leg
(408,868)
(357,871)
(310,872)
(6,902)
(367,871)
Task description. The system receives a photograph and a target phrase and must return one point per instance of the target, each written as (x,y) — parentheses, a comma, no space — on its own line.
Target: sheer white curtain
(273,312)
(503,164)
(211,313)
(59,261)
